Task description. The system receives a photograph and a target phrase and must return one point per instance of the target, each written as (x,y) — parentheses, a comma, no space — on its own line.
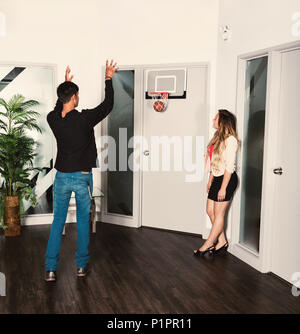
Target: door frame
(114,218)
(207,66)
(136,220)
(261,261)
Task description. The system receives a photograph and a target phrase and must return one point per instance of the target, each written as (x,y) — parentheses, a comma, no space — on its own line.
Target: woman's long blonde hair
(227,127)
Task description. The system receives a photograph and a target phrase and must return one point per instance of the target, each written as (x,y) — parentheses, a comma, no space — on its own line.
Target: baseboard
(173,231)
(34,220)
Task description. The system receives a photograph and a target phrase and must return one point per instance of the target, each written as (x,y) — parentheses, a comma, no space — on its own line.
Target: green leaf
(3,104)
(17,150)
(29,104)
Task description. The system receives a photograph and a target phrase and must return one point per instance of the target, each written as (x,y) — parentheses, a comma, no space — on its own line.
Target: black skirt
(216,185)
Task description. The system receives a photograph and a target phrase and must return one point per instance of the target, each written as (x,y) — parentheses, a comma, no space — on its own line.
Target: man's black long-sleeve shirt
(74,133)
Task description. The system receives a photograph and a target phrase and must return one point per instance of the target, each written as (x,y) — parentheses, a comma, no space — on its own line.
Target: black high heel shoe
(210,250)
(223,248)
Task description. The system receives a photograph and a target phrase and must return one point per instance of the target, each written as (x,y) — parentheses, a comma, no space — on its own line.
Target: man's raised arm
(96,115)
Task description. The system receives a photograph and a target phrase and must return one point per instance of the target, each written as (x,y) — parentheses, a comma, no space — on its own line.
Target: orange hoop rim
(162,95)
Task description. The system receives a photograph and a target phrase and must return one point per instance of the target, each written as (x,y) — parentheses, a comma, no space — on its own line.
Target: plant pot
(1,234)
(12,216)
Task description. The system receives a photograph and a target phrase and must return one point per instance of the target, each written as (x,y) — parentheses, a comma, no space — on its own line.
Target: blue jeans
(63,186)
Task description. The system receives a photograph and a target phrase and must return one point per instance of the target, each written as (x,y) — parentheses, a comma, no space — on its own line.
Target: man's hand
(67,75)
(110,70)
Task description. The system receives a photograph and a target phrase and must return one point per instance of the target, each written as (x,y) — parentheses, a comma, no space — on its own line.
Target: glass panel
(34,83)
(120,182)
(253,150)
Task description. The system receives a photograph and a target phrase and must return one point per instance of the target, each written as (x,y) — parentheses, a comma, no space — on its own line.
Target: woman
(223,180)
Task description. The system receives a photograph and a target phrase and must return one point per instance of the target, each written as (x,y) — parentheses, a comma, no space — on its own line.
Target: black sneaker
(50,276)
(81,272)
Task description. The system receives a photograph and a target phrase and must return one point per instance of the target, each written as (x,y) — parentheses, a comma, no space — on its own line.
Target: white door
(169,201)
(286,237)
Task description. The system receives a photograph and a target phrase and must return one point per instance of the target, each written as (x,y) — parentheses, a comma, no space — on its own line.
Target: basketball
(159,106)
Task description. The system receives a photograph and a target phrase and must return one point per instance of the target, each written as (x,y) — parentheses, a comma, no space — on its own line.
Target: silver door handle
(277,171)
(146,152)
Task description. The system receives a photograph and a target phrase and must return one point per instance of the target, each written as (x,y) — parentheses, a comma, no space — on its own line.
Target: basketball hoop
(160,100)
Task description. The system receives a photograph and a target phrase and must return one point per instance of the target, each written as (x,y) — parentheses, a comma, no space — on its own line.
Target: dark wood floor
(135,271)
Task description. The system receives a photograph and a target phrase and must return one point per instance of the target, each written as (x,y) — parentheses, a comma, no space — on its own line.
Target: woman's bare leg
(218,225)
(210,210)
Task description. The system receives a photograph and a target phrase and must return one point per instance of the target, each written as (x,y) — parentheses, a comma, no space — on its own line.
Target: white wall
(255,25)
(83,34)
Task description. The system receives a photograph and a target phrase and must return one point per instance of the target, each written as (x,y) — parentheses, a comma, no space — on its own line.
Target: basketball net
(160,100)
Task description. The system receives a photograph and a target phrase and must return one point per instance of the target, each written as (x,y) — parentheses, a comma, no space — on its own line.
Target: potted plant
(17,152)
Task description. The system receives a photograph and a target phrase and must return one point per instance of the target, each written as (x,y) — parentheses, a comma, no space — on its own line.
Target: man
(76,155)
